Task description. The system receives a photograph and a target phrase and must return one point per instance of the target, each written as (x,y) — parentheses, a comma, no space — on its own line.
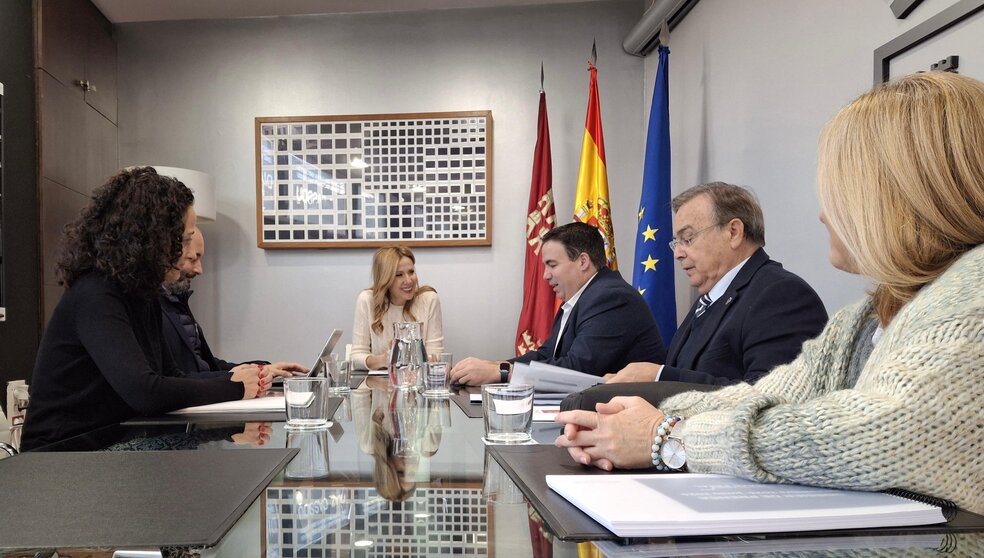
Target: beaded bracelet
(661,433)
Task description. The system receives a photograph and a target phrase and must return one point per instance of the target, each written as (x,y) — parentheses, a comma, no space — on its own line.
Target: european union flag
(653,267)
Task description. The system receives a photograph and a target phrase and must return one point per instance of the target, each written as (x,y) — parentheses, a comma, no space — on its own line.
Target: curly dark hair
(131,232)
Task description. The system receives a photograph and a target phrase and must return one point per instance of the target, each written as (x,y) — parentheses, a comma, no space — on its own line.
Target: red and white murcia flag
(539,301)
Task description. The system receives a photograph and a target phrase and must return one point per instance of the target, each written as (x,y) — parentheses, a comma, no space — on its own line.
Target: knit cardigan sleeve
(918,396)
(361,330)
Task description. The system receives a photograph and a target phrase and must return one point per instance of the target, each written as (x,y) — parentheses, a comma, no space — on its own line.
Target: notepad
(268,404)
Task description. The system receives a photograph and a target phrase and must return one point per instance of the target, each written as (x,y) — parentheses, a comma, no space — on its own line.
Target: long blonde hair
(389,480)
(385,262)
(901,181)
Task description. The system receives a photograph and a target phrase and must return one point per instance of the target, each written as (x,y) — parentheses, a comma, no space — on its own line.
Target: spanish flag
(591,205)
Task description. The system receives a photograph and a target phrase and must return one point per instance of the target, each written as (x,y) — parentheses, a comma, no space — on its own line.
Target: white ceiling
(124,11)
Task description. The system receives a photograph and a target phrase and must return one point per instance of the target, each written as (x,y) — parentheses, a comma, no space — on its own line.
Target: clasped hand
(257,379)
(619,434)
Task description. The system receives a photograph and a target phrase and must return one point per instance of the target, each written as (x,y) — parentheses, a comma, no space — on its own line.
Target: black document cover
(528,467)
(462,395)
(112,499)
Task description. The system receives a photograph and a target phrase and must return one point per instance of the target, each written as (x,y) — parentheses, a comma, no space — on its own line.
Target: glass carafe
(407,356)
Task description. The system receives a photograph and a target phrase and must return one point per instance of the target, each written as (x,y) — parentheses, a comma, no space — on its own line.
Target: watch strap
(504,369)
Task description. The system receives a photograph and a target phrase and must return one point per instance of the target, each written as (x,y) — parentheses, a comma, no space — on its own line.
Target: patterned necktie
(702,304)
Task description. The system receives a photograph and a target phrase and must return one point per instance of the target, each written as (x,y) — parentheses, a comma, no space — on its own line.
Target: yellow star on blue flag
(649,233)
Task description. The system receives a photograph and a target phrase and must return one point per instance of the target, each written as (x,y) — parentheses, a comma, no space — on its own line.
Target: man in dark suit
(752,314)
(603,325)
(184,337)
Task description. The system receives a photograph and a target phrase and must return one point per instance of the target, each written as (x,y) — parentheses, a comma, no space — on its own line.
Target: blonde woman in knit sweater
(394,297)
(889,395)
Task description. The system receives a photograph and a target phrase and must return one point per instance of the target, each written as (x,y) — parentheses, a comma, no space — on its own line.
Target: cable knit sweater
(913,420)
(365,341)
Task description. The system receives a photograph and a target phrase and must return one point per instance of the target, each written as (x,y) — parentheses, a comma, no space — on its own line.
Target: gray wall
(752,83)
(189,92)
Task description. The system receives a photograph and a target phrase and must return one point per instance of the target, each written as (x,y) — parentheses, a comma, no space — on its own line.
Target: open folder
(653,505)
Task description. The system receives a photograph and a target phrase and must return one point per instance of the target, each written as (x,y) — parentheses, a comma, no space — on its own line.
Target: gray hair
(729,202)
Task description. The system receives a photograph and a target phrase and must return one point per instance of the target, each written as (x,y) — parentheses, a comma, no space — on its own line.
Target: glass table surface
(397,474)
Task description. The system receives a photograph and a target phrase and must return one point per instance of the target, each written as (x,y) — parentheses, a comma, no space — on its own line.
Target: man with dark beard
(185,338)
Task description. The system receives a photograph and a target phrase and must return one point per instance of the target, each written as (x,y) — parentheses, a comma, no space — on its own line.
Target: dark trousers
(653,392)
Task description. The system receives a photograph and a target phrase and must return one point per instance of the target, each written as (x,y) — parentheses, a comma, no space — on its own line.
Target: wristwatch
(672,452)
(504,369)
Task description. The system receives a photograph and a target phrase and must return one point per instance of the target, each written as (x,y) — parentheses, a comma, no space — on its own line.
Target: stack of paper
(546,378)
(268,404)
(656,505)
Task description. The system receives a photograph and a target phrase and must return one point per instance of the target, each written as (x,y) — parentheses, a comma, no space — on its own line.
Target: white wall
(751,85)
(189,92)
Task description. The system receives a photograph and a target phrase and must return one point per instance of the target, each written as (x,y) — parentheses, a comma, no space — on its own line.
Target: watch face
(673,454)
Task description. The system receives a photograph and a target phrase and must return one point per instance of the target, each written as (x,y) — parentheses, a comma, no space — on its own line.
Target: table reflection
(414,501)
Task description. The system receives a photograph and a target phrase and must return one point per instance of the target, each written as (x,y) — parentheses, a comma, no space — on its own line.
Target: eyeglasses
(688,242)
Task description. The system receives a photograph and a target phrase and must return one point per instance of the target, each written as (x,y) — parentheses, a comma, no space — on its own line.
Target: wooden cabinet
(75,59)
(76,47)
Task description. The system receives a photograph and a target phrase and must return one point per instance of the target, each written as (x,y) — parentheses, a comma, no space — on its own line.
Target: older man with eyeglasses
(751,316)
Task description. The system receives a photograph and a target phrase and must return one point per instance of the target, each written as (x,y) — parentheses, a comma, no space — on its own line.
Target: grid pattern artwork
(306,522)
(374,180)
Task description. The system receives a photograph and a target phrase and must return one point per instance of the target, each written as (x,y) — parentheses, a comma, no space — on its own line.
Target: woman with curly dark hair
(102,359)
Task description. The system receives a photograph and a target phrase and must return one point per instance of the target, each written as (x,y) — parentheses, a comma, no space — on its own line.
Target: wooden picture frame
(357,181)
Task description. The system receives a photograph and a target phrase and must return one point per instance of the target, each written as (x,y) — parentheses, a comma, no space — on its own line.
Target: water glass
(406,376)
(307,403)
(311,461)
(437,380)
(438,413)
(508,412)
(446,358)
(497,487)
(344,411)
(338,373)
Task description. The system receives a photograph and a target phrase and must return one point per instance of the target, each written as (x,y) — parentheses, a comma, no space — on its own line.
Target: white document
(546,378)
(299,399)
(545,413)
(661,505)
(268,404)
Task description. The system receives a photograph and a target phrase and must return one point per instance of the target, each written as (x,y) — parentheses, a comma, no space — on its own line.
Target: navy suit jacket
(179,344)
(609,327)
(760,322)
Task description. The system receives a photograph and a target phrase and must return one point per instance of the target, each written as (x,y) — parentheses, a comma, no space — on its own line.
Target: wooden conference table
(334,498)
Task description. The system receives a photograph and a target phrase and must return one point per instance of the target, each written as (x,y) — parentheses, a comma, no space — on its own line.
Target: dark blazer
(760,322)
(102,361)
(180,345)
(609,327)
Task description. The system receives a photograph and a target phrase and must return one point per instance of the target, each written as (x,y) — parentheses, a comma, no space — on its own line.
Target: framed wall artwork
(352,181)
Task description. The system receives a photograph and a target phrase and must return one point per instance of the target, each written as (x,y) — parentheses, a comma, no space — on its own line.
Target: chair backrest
(17,399)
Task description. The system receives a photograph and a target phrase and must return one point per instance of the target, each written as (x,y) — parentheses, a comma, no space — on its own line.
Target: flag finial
(594,52)
(541,76)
